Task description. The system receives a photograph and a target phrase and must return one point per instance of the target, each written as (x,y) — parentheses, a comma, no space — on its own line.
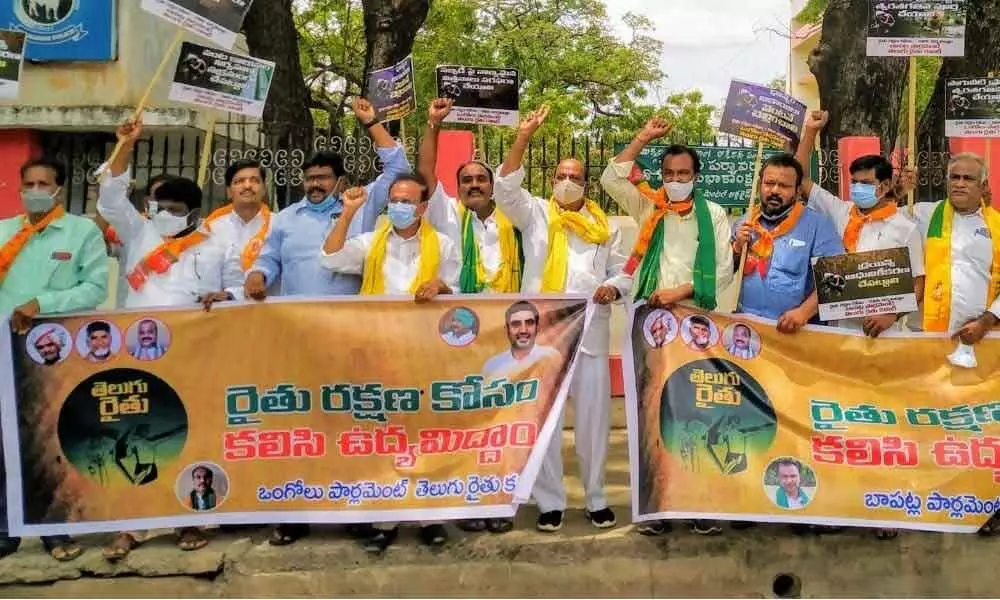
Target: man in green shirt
(50,263)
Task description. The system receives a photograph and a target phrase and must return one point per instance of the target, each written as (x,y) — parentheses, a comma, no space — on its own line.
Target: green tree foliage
(565,51)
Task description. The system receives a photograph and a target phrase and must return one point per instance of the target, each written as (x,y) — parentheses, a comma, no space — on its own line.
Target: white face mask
(679,192)
(567,192)
(168,225)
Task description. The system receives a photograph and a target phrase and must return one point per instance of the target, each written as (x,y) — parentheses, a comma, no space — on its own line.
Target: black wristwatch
(371,123)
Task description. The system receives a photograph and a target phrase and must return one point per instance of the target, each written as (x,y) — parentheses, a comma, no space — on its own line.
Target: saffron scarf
(937,264)
(12,248)
(159,260)
(251,251)
(373,279)
(649,247)
(759,257)
(593,230)
(858,219)
(507,279)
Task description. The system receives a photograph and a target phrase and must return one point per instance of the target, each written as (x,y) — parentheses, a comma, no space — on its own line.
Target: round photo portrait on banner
(790,483)
(716,418)
(49,344)
(459,327)
(659,328)
(741,341)
(99,341)
(699,332)
(122,427)
(202,486)
(147,339)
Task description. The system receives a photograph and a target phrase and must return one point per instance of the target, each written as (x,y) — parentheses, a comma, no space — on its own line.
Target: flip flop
(119,547)
(66,551)
(190,539)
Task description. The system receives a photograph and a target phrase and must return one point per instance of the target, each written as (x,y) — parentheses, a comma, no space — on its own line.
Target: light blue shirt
(789,279)
(292,249)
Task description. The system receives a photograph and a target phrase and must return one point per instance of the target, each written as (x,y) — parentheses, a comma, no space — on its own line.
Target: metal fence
(179,152)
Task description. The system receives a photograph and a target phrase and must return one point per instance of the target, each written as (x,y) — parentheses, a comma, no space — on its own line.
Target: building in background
(803,40)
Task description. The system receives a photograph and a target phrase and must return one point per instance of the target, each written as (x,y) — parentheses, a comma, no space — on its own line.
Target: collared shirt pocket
(62,274)
(789,268)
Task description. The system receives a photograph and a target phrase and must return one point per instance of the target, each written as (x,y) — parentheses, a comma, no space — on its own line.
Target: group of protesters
(496,237)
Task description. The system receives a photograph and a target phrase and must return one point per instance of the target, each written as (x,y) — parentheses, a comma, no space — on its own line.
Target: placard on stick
(764,115)
(392,90)
(922,28)
(863,284)
(481,95)
(222,80)
(217,20)
(972,108)
(11,62)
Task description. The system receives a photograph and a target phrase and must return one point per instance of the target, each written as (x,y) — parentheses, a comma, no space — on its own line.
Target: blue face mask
(323,206)
(863,194)
(402,215)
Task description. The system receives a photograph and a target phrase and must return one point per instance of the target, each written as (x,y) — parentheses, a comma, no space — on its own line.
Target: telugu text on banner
(730,419)
(307,411)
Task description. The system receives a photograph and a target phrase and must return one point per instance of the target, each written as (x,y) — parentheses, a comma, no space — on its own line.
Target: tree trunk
(288,125)
(390,28)
(863,95)
(981,57)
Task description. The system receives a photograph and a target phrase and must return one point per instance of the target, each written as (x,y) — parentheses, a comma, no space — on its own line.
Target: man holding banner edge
(682,251)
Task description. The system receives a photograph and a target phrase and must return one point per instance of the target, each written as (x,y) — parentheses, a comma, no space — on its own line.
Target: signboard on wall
(64,30)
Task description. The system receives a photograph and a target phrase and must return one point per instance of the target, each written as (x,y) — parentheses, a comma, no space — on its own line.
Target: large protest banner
(217,20)
(11,63)
(973,107)
(480,95)
(762,114)
(726,173)
(310,411)
(729,419)
(916,28)
(221,80)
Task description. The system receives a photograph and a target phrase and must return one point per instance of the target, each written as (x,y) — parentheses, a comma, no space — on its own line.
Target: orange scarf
(12,247)
(160,259)
(659,200)
(252,250)
(859,219)
(759,258)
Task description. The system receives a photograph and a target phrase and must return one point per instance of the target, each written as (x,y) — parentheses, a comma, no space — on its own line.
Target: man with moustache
(701,332)
(49,346)
(51,262)
(782,238)
(290,254)
(741,344)
(570,246)
(148,338)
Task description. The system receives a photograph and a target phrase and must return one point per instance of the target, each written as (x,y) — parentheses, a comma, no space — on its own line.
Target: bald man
(570,247)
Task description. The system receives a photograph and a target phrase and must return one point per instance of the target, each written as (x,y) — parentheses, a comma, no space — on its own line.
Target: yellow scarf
(592,231)
(507,279)
(937,265)
(373,280)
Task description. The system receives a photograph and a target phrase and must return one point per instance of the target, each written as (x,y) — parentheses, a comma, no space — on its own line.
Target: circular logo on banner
(43,13)
(715,417)
(122,426)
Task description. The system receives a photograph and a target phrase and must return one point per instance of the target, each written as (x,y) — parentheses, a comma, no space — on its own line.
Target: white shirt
(504,365)
(971,259)
(443,214)
(898,231)
(198,270)
(233,234)
(744,353)
(795,502)
(401,264)
(680,234)
(458,340)
(590,265)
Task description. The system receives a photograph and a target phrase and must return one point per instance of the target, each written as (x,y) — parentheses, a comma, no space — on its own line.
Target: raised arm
(113,204)
(394,162)
(511,198)
(337,255)
(615,179)
(427,158)
(815,122)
